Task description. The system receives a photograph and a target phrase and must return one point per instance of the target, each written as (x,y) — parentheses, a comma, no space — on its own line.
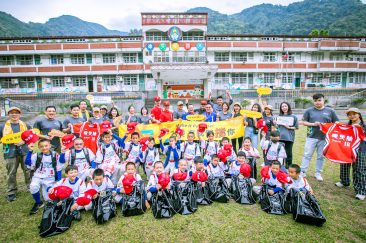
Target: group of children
(106,170)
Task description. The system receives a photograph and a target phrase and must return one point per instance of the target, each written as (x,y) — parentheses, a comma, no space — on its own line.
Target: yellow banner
(15,137)
(232,128)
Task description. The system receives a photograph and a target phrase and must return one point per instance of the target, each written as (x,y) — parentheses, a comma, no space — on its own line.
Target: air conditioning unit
(14,81)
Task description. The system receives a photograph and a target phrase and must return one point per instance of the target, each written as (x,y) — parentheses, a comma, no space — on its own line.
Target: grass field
(232,222)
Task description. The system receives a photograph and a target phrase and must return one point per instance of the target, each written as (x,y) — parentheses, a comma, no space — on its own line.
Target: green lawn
(346,218)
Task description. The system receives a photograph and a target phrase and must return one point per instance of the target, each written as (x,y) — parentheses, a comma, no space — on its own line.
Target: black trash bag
(186,196)
(218,189)
(56,217)
(104,207)
(272,204)
(306,209)
(134,203)
(242,190)
(162,204)
(202,196)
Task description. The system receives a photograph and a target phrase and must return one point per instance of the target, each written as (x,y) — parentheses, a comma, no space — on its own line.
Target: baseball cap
(353,109)
(268,107)
(180,103)
(104,107)
(156,98)
(96,109)
(237,103)
(166,103)
(14,108)
(203,102)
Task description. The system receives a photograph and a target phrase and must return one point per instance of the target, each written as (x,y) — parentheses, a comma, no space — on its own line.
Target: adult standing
(97,118)
(48,123)
(217,107)
(115,118)
(73,119)
(156,110)
(189,112)
(251,129)
(202,108)
(210,114)
(145,118)
(14,154)
(287,124)
(132,117)
(269,119)
(84,113)
(312,118)
(236,113)
(104,113)
(178,114)
(166,115)
(225,114)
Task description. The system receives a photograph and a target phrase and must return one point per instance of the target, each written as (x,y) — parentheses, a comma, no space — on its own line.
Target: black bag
(218,189)
(162,204)
(242,190)
(185,197)
(104,207)
(134,203)
(202,196)
(306,209)
(272,204)
(56,217)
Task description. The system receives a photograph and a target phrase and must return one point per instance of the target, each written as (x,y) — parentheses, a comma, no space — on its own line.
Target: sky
(118,14)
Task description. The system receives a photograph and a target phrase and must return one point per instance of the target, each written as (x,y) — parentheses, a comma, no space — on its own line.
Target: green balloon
(162,46)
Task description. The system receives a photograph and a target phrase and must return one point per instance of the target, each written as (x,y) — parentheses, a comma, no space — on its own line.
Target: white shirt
(80,160)
(78,187)
(272,152)
(298,184)
(107,184)
(216,171)
(150,156)
(134,151)
(191,150)
(45,169)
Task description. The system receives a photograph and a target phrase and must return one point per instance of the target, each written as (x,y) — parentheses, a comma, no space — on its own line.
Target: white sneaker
(360,197)
(303,174)
(319,177)
(339,184)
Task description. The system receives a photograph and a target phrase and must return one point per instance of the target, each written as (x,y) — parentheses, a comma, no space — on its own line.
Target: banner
(232,128)
(15,137)
(285,120)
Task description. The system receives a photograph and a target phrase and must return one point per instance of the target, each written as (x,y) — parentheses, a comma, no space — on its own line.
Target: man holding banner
(14,153)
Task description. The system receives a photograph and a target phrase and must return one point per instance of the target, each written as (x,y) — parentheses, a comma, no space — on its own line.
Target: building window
(109,80)
(291,57)
(24,60)
(78,81)
(316,57)
(269,57)
(109,58)
(222,56)
(193,35)
(357,58)
(58,82)
(57,59)
(27,83)
(130,80)
(287,78)
(156,36)
(317,78)
(239,78)
(336,57)
(161,56)
(6,60)
(335,78)
(222,78)
(6,83)
(129,57)
(77,58)
(241,56)
(269,78)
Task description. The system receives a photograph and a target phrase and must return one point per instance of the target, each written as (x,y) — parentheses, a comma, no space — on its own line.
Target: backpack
(162,204)
(104,207)
(242,191)
(202,195)
(73,156)
(272,204)
(265,152)
(56,217)
(185,147)
(205,150)
(54,162)
(218,189)
(185,199)
(134,203)
(102,148)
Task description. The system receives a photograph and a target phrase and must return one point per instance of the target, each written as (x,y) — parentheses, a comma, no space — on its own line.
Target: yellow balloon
(264,91)
(175,46)
(251,114)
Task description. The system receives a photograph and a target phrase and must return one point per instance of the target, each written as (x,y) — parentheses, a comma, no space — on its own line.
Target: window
(241,56)
(287,78)
(78,81)
(130,80)
(24,60)
(222,56)
(77,59)
(335,78)
(129,57)
(193,35)
(269,57)
(109,58)
(161,56)
(156,36)
(357,57)
(291,57)
(269,78)
(57,59)
(315,57)
(6,60)
(58,82)
(239,78)
(222,78)
(109,80)
(317,78)
(27,83)
(336,57)
(6,83)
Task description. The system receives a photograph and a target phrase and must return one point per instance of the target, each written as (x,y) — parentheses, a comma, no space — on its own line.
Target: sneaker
(11,198)
(319,177)
(360,197)
(340,184)
(35,208)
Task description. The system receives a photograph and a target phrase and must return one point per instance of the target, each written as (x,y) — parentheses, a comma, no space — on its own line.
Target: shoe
(319,177)
(340,184)
(77,215)
(11,198)
(360,197)
(35,208)
(302,174)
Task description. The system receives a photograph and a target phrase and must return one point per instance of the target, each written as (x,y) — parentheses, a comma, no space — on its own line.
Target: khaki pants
(12,165)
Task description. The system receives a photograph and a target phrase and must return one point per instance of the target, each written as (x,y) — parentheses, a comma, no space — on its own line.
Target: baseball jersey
(78,187)
(120,181)
(153,181)
(107,184)
(80,160)
(107,158)
(156,112)
(342,142)
(134,151)
(190,150)
(166,116)
(216,170)
(251,152)
(150,156)
(298,184)
(272,181)
(234,168)
(210,148)
(272,150)
(90,134)
(45,169)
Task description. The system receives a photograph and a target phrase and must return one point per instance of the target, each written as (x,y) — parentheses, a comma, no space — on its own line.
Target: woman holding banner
(251,129)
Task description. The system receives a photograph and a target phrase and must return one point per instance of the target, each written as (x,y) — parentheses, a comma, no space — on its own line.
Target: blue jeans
(310,145)
(249,132)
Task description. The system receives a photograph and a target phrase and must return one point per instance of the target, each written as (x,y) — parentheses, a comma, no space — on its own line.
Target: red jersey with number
(90,133)
(156,112)
(342,142)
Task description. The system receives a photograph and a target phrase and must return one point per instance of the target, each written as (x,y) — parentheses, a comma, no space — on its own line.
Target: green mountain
(64,25)
(340,17)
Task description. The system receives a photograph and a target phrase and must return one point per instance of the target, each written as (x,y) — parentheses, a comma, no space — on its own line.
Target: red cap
(90,193)
(261,124)
(245,170)
(163,131)
(144,141)
(179,131)
(199,176)
(60,192)
(83,201)
(265,172)
(163,180)
(127,182)
(157,98)
(68,140)
(29,137)
(131,127)
(228,148)
(283,177)
(105,126)
(180,176)
(202,127)
(222,154)
(166,103)
(203,102)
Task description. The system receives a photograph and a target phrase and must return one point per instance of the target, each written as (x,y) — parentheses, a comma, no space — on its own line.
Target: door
(90,84)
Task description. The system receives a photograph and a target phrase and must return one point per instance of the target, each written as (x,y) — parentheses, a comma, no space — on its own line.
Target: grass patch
(232,222)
